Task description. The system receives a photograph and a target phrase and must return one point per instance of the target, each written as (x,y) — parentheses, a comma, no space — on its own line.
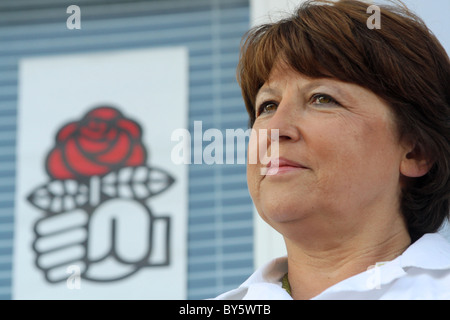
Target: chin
(279,210)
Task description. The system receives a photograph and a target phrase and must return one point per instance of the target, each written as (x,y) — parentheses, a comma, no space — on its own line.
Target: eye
(323,99)
(267,107)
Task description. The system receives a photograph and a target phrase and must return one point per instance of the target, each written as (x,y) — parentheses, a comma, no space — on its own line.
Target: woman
(360,184)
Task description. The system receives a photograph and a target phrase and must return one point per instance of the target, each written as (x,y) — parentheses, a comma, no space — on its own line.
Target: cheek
(357,156)
(258,150)
(253,169)
(252,184)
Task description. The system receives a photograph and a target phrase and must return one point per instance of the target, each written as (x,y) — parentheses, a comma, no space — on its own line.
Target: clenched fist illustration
(96,203)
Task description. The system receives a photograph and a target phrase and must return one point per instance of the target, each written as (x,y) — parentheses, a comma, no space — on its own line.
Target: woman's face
(339,154)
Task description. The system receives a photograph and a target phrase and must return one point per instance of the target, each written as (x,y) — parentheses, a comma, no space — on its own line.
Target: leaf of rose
(136,182)
(59,195)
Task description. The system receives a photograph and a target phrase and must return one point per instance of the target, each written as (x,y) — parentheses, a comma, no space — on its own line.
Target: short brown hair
(402,62)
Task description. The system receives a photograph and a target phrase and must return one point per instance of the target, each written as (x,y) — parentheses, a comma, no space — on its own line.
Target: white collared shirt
(422,272)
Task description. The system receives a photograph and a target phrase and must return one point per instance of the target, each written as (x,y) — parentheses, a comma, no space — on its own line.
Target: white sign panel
(101,210)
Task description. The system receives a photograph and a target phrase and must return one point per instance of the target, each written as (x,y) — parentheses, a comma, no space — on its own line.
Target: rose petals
(66,131)
(119,152)
(131,127)
(56,166)
(80,163)
(137,157)
(93,146)
(101,142)
(104,113)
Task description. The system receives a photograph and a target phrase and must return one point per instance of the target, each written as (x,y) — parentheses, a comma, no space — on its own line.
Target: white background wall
(268,243)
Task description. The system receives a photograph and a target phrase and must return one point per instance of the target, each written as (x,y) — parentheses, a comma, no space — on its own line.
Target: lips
(281,165)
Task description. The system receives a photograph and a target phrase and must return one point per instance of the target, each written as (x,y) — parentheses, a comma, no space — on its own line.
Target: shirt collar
(265,282)
(271,272)
(431,251)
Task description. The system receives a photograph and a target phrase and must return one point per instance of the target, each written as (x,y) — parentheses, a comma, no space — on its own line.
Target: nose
(286,121)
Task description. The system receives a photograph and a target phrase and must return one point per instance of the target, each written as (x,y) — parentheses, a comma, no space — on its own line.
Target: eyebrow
(308,87)
(266,89)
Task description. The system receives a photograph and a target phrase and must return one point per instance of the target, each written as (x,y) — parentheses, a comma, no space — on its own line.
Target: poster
(101,210)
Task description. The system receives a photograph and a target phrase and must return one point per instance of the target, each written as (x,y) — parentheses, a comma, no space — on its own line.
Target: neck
(329,262)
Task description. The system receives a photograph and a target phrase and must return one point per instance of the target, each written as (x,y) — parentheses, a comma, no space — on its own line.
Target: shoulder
(427,270)
(430,252)
(422,272)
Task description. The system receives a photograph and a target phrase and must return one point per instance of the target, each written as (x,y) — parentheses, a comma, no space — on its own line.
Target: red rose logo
(101,142)
(98,180)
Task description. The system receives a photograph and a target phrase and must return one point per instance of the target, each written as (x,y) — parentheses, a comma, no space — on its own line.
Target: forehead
(282,71)
(283,76)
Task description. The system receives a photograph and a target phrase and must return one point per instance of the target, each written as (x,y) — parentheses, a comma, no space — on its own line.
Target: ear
(415,163)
